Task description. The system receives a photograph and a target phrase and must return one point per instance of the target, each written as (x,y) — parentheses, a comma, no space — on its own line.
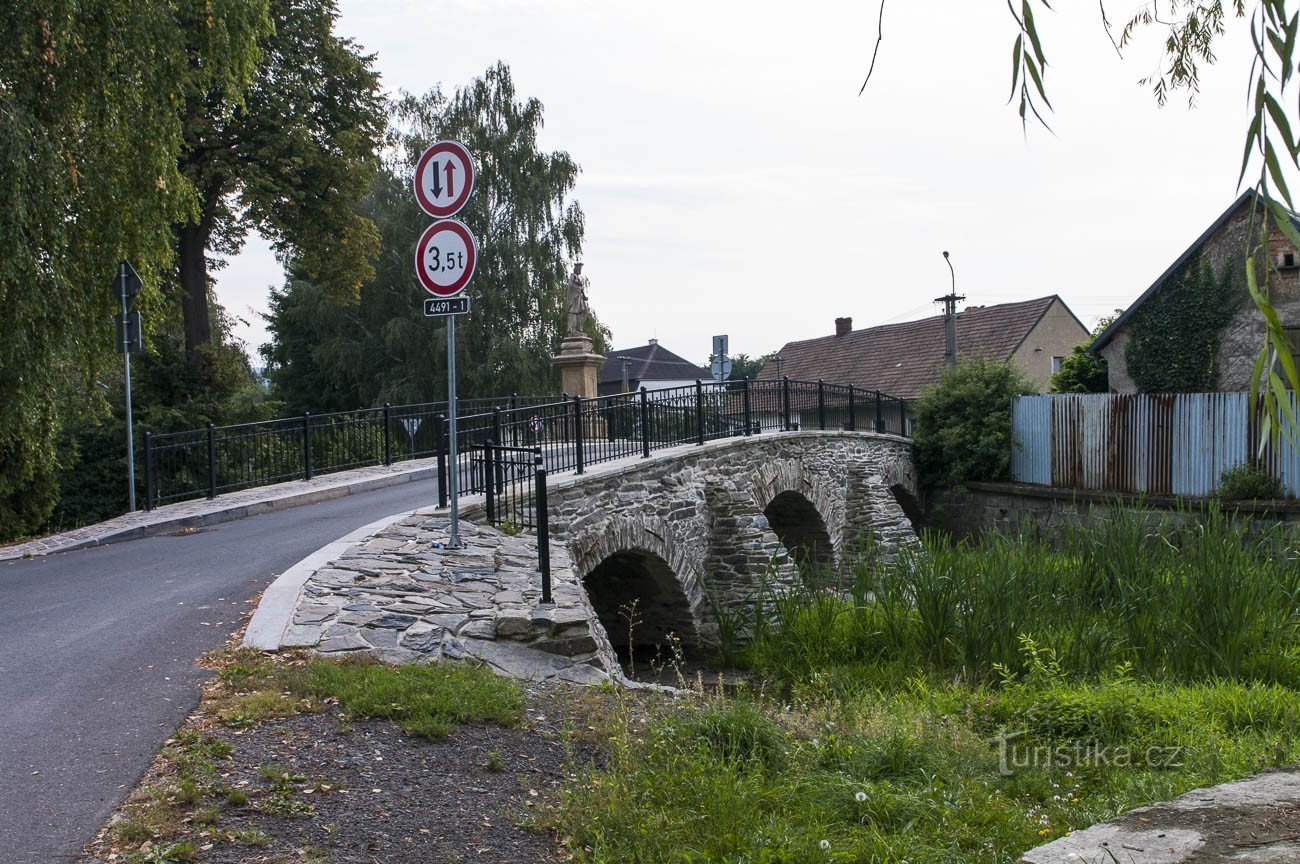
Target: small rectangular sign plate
(436,306)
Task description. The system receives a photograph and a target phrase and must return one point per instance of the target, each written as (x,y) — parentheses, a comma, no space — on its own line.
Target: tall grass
(1213,598)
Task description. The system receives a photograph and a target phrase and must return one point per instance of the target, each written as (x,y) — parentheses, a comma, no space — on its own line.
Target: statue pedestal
(579,366)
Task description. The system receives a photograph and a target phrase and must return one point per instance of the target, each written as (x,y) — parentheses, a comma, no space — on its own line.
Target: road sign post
(445,258)
(719,362)
(129,338)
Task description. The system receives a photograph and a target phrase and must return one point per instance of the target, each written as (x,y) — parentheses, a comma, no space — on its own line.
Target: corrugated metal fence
(1166,443)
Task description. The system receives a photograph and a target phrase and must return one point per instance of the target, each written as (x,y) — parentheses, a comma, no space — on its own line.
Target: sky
(735,182)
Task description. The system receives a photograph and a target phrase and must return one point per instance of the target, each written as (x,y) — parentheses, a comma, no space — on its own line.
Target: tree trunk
(192,244)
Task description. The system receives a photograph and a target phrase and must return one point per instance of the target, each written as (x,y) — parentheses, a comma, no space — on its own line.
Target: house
(904,359)
(651,366)
(1224,356)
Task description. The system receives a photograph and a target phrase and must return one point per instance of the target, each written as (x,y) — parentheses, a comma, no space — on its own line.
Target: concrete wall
(1054,336)
(1017,507)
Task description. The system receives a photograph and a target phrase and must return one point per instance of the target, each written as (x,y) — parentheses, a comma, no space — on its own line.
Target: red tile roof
(904,359)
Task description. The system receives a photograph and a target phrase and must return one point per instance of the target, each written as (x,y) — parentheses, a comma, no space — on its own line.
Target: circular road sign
(444,177)
(445,258)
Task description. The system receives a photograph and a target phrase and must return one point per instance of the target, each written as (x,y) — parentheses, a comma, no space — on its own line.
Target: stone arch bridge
(699,529)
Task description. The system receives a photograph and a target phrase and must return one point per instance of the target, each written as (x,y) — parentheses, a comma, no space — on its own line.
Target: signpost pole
(126,356)
(453,472)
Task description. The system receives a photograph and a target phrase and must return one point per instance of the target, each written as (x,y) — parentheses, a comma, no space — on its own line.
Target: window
(1056,361)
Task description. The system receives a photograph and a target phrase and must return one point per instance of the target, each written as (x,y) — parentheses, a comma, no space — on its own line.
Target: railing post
(785,403)
(496,425)
(853,418)
(148,470)
(543,528)
(577,434)
(306,445)
(880,417)
(749,419)
(821,405)
(514,420)
(440,452)
(490,481)
(699,411)
(388,433)
(212,461)
(645,425)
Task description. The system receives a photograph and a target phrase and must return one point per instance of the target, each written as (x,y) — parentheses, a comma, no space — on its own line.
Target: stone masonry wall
(700,509)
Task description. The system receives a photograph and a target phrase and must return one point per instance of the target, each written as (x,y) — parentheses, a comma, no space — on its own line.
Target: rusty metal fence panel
(1159,443)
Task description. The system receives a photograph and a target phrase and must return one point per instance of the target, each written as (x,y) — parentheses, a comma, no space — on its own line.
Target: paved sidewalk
(223,508)
(1256,820)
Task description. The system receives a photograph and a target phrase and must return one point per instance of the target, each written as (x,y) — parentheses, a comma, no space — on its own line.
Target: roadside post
(129,338)
(445,258)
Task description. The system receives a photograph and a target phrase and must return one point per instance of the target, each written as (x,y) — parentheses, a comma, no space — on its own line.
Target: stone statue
(576,309)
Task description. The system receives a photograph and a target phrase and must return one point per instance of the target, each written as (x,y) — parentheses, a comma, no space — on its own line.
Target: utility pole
(627,364)
(950,301)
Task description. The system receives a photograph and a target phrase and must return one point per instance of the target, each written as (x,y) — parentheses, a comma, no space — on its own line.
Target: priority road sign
(445,258)
(444,177)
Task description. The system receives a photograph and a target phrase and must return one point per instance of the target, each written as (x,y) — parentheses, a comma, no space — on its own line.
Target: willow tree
(1271,151)
(290,156)
(90,139)
(381,347)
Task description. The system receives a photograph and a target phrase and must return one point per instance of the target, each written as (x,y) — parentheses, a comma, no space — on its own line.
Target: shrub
(963,423)
(1248,482)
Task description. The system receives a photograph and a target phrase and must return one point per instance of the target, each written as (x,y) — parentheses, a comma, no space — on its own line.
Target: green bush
(1248,482)
(963,424)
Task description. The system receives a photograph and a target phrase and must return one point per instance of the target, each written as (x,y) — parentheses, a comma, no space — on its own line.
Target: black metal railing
(566,433)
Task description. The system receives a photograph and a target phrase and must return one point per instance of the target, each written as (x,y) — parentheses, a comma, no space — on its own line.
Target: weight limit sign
(445,258)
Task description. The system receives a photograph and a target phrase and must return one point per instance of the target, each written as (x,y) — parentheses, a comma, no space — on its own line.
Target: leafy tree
(90,137)
(290,155)
(743,366)
(1083,371)
(381,348)
(962,429)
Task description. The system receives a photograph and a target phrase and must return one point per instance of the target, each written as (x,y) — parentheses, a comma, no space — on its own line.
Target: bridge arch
(638,561)
(805,514)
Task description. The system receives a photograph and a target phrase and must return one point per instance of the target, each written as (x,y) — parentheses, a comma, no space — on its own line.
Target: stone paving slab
(224,508)
(396,592)
(1252,820)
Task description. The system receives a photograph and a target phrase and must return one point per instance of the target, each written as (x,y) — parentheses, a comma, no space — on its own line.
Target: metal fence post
(880,417)
(749,416)
(785,403)
(212,461)
(543,528)
(490,482)
(148,470)
(496,426)
(645,425)
(821,405)
(577,433)
(440,452)
(388,433)
(699,411)
(306,445)
(853,414)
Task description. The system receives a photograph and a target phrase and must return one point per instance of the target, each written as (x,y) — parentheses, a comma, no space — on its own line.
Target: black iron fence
(502,439)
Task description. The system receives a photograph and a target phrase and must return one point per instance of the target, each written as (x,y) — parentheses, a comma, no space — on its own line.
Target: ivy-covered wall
(1172,349)
(1173,344)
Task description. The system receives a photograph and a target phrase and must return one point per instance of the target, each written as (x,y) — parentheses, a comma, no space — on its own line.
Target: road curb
(50,545)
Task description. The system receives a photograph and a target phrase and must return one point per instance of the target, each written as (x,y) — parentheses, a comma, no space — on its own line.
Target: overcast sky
(734,181)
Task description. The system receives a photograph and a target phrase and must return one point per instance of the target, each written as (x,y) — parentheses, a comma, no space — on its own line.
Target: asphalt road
(98,652)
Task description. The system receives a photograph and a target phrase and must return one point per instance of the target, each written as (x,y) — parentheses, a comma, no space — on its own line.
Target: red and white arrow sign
(444,177)
(445,258)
